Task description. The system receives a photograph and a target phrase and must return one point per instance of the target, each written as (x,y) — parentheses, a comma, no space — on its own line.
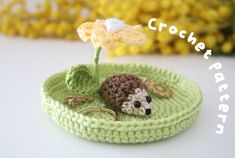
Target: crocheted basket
(169,117)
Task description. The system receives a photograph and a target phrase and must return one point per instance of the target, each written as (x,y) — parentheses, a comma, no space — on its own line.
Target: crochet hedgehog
(126,93)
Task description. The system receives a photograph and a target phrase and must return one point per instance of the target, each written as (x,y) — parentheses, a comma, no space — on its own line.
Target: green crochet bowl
(169,117)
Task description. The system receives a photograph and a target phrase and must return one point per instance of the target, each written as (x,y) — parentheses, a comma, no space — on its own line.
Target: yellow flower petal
(97,33)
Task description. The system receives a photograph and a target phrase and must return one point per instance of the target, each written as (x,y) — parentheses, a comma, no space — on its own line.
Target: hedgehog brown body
(116,89)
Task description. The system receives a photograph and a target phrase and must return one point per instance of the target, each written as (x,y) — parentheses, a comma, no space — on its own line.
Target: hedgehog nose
(148,111)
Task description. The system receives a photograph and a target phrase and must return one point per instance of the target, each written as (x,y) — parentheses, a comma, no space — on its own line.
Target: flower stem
(96,66)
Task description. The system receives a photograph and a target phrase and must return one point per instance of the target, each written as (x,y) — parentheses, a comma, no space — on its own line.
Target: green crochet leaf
(80,81)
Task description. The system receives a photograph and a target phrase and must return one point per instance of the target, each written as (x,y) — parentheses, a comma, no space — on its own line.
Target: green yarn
(96,66)
(80,80)
(95,109)
(169,116)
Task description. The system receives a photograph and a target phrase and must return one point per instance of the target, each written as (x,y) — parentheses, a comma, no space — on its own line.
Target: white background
(26,132)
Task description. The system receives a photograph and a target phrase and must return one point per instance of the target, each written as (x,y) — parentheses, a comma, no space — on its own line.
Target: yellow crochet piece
(97,33)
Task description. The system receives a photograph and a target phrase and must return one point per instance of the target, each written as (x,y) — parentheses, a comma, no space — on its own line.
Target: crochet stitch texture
(169,116)
(115,89)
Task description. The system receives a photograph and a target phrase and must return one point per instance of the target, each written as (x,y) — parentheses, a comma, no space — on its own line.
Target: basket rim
(133,123)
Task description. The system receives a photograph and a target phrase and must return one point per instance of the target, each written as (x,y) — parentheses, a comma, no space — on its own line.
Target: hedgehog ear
(137,90)
(130,96)
(145,92)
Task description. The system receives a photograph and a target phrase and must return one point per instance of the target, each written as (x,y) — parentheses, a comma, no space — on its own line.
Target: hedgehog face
(138,104)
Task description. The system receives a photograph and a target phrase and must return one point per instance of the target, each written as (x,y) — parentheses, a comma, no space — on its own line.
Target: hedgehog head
(138,103)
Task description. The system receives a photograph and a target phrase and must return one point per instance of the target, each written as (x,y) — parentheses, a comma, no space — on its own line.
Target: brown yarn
(116,89)
(73,101)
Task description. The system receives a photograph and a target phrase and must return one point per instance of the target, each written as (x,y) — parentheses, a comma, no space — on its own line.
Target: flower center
(114,25)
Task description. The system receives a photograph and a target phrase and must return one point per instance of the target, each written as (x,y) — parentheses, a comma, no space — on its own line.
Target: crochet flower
(110,33)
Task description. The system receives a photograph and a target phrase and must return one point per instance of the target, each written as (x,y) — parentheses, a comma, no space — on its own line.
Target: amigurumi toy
(126,93)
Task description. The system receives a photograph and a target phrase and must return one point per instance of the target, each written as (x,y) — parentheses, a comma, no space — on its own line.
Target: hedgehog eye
(149,99)
(137,104)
